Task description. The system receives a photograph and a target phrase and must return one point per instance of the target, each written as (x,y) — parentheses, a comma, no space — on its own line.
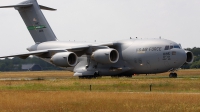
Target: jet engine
(64,59)
(190,57)
(105,56)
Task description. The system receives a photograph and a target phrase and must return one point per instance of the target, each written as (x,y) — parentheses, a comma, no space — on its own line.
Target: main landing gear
(96,75)
(173,75)
(117,76)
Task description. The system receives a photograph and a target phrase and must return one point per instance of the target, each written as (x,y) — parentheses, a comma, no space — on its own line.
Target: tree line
(16,63)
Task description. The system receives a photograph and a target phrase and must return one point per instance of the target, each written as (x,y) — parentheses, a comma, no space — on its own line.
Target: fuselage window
(166,47)
(171,47)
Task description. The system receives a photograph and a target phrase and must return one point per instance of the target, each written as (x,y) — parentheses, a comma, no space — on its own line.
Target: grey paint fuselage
(135,56)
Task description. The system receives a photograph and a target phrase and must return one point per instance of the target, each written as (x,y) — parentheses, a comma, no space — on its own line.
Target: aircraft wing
(25,55)
(46,52)
(49,52)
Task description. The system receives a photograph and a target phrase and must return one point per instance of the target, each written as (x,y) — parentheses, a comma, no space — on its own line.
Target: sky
(106,20)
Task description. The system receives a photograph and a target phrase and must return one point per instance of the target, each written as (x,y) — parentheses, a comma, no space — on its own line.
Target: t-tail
(35,21)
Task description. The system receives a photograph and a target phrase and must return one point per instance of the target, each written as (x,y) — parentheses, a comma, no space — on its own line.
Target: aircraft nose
(180,57)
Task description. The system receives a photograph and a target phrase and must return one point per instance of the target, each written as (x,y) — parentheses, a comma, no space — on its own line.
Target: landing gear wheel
(173,75)
(170,75)
(86,77)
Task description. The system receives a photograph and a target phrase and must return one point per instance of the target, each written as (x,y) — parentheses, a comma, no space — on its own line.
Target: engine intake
(64,59)
(105,56)
(190,57)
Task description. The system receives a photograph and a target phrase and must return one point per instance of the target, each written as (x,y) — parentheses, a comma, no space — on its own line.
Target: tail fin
(35,21)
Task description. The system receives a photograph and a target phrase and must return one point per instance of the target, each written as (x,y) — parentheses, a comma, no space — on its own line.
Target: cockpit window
(177,46)
(166,47)
(171,47)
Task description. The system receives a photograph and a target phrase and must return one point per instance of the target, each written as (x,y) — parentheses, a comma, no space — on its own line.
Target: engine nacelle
(190,57)
(64,59)
(105,56)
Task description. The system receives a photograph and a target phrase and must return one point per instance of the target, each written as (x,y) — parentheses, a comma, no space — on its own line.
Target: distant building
(31,67)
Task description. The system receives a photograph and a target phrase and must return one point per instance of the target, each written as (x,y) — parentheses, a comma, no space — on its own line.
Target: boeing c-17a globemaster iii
(87,60)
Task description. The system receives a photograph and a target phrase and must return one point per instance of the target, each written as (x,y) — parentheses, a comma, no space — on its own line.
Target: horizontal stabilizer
(19,5)
(28,5)
(47,8)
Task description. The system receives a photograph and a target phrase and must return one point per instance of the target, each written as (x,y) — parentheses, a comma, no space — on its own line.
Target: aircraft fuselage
(136,56)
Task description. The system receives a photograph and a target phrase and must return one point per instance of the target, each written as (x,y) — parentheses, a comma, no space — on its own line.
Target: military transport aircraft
(87,60)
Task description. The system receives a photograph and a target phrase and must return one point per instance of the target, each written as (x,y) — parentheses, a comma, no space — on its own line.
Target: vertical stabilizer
(35,21)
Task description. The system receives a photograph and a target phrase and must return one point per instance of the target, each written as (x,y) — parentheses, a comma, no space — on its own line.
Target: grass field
(59,91)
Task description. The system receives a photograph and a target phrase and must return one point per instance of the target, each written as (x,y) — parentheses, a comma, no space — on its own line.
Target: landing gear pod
(64,59)
(105,56)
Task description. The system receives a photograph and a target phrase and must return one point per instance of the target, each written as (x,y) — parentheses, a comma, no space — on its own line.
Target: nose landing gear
(173,75)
